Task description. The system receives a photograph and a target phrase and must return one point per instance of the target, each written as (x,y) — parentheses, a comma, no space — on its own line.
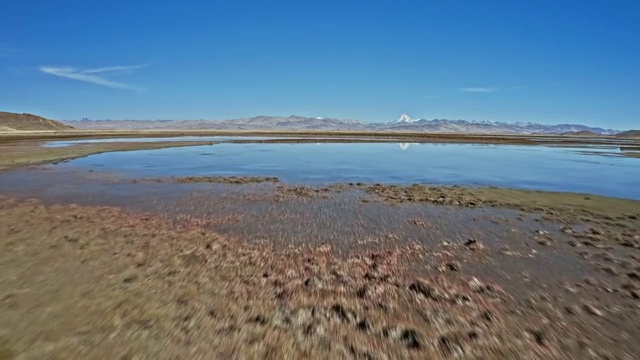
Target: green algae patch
(493,196)
(609,219)
(226,179)
(238,180)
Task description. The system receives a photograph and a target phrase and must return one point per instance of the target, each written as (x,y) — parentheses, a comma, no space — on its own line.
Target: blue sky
(540,61)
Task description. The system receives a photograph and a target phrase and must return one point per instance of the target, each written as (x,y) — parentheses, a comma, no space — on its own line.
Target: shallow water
(571,169)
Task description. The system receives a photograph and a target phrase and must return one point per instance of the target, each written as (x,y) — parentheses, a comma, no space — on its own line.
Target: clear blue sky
(541,61)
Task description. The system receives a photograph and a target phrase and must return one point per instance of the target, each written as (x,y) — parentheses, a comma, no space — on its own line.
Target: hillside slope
(13,121)
(634,134)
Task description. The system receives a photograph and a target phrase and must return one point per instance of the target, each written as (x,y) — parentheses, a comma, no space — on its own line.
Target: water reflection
(404,146)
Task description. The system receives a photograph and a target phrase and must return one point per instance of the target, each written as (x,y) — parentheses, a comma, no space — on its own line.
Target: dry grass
(29,122)
(95,282)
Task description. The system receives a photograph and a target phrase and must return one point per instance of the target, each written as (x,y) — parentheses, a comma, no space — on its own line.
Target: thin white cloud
(478,90)
(93,76)
(112,69)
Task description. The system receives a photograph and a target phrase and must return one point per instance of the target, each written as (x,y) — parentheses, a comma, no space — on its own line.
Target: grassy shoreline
(610,220)
(32,153)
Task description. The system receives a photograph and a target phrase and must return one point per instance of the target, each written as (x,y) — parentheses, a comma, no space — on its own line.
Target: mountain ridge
(295,122)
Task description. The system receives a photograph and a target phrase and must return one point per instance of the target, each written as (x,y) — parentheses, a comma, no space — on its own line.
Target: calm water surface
(62,143)
(596,170)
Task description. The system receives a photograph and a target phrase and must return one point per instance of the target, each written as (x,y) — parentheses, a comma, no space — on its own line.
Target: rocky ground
(346,271)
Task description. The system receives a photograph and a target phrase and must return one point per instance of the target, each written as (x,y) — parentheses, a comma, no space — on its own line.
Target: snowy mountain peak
(404,119)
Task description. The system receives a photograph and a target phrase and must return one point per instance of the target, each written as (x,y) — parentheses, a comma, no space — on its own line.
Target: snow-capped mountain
(403,119)
(404,124)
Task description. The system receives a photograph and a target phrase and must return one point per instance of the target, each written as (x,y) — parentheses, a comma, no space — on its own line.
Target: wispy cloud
(93,76)
(478,90)
(113,69)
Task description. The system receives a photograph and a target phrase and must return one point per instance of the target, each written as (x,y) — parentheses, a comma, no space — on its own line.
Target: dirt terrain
(156,285)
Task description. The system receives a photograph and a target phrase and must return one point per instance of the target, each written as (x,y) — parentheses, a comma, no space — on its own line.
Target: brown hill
(13,121)
(634,134)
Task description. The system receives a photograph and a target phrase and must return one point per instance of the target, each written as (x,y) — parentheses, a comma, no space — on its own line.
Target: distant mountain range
(404,123)
(491,127)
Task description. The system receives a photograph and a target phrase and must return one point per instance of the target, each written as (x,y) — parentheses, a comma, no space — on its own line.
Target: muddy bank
(630,148)
(609,220)
(220,298)
(591,220)
(136,285)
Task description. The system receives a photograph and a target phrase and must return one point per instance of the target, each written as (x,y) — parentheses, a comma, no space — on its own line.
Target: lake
(595,170)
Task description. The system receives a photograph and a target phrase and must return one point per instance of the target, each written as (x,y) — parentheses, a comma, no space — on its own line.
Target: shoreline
(15,156)
(527,139)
